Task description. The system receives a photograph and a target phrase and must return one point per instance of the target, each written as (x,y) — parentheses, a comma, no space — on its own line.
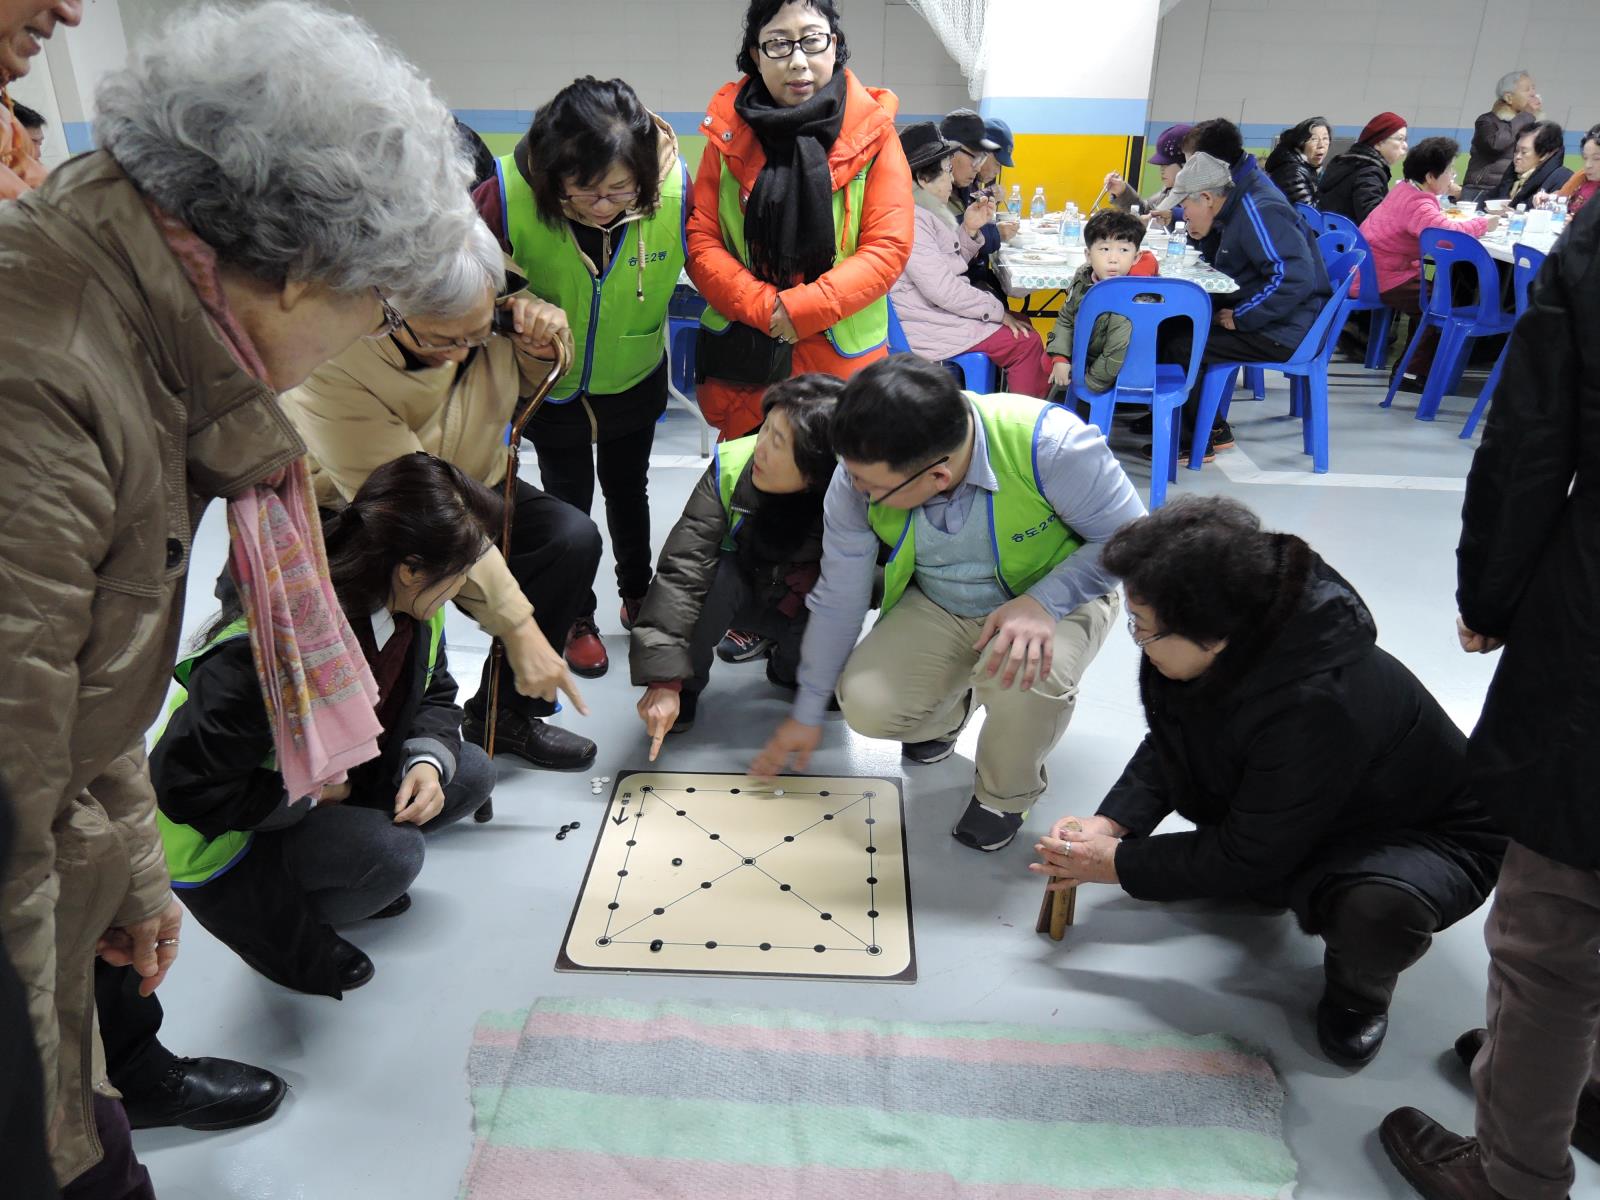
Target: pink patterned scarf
(319,691)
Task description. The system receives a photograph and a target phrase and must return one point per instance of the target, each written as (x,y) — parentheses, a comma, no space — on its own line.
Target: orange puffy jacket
(887,225)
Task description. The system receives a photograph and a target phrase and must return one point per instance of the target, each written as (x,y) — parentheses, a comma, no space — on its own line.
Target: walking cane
(497,650)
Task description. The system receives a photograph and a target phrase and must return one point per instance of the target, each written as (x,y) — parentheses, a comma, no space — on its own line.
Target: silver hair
(1508,82)
(300,147)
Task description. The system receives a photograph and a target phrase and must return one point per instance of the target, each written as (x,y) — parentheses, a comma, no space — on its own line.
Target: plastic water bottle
(1037,209)
(1519,221)
(1016,201)
(1558,216)
(1071,226)
(1177,244)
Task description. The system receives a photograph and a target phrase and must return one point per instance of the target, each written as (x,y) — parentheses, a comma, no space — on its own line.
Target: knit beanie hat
(1380,127)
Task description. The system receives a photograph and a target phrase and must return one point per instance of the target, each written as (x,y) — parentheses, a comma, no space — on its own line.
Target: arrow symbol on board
(619,819)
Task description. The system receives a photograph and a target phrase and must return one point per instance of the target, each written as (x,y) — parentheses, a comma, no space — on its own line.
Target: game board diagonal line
(815,824)
(699,891)
(791,892)
(712,834)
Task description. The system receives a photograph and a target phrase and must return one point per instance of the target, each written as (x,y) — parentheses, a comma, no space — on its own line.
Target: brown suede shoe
(1441,1165)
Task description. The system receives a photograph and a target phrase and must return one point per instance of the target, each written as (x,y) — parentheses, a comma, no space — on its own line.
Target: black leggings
(1374,929)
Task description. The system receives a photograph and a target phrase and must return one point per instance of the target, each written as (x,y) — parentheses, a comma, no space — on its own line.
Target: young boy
(1111,239)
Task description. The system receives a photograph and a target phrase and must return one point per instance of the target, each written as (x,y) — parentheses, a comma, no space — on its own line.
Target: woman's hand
(782,327)
(979,213)
(1076,858)
(1492,222)
(658,709)
(150,946)
(1019,328)
(539,325)
(540,672)
(1097,825)
(1061,374)
(1115,184)
(420,798)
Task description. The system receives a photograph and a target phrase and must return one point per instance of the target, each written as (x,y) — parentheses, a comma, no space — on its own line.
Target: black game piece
(677,862)
(562,836)
(656,945)
(574,825)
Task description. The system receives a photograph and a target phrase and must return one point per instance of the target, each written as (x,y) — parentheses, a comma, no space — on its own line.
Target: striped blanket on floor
(604,1098)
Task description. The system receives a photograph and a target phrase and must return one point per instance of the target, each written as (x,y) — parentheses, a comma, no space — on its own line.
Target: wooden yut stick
(1059,910)
(497,650)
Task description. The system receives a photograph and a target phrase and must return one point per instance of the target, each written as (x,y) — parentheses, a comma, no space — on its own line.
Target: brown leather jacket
(125,414)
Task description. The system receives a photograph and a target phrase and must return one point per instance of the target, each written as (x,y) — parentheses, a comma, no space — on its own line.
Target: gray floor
(379,1103)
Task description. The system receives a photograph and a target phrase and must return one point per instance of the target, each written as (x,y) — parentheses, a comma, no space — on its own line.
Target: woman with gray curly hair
(272,185)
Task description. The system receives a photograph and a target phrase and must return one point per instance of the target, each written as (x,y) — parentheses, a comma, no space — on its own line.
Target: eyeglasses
(1142,642)
(467,343)
(912,478)
(623,199)
(978,157)
(392,319)
(811,45)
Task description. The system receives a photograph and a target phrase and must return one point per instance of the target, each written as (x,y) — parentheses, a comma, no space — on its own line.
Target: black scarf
(776,529)
(788,220)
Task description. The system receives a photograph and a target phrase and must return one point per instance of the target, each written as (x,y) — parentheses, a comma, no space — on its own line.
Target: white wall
(1269,63)
(515,54)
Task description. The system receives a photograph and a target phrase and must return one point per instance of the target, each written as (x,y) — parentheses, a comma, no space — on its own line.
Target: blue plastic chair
(1339,235)
(1307,371)
(1145,302)
(977,371)
(1457,325)
(1311,214)
(1525,264)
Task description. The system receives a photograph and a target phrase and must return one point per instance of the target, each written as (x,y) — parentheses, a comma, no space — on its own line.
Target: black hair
(808,401)
(1591,135)
(589,125)
(1548,137)
(1202,562)
(1430,156)
(1113,225)
(416,510)
(928,172)
(762,11)
(1297,136)
(30,118)
(903,411)
(1218,137)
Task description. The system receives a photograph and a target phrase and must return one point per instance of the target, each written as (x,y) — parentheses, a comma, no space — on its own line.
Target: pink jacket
(1393,227)
(942,312)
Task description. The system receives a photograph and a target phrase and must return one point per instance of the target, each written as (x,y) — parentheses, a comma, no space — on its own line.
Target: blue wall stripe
(517,120)
(1267,135)
(1067,114)
(79,135)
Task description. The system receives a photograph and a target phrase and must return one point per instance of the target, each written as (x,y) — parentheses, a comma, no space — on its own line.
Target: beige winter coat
(124,414)
(364,409)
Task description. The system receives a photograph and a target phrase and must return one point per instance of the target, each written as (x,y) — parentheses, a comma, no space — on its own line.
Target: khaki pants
(1543,935)
(908,682)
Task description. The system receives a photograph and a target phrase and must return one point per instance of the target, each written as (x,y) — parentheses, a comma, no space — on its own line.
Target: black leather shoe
(1441,1165)
(1585,1134)
(355,968)
(533,740)
(400,904)
(206,1093)
(1350,1037)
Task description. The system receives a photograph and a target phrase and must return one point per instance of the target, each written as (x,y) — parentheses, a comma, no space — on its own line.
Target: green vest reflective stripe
(631,332)
(1028,537)
(732,457)
(859,332)
(192,858)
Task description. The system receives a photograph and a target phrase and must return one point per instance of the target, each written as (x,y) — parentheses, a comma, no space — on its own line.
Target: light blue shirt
(1081,479)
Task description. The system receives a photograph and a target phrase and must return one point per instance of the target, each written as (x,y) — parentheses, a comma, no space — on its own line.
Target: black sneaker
(985,828)
(533,740)
(1221,436)
(400,904)
(937,749)
(739,646)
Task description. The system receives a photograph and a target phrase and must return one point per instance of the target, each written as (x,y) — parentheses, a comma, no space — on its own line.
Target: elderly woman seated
(1296,159)
(1319,775)
(942,312)
(1392,230)
(1536,165)
(1355,182)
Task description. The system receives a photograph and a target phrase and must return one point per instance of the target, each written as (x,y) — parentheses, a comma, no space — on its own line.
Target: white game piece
(605,779)
(777,791)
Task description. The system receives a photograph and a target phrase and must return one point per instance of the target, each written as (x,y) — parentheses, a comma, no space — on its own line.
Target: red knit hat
(1380,127)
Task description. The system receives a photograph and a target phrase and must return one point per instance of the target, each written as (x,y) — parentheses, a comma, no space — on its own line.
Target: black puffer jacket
(1295,177)
(1529,564)
(1354,183)
(1305,754)
(658,651)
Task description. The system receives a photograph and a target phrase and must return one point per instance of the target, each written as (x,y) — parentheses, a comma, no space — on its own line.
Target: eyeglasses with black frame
(912,478)
(811,45)
(1147,639)
(392,319)
(622,199)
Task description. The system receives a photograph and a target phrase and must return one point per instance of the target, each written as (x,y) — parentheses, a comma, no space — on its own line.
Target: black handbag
(742,354)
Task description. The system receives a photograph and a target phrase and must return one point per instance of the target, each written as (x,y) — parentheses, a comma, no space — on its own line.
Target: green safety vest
(732,457)
(192,858)
(609,305)
(1028,537)
(857,333)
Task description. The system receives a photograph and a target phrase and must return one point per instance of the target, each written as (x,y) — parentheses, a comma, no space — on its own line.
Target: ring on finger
(166,941)
(1066,849)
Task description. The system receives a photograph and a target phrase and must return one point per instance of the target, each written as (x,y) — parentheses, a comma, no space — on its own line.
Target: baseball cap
(966,128)
(1202,173)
